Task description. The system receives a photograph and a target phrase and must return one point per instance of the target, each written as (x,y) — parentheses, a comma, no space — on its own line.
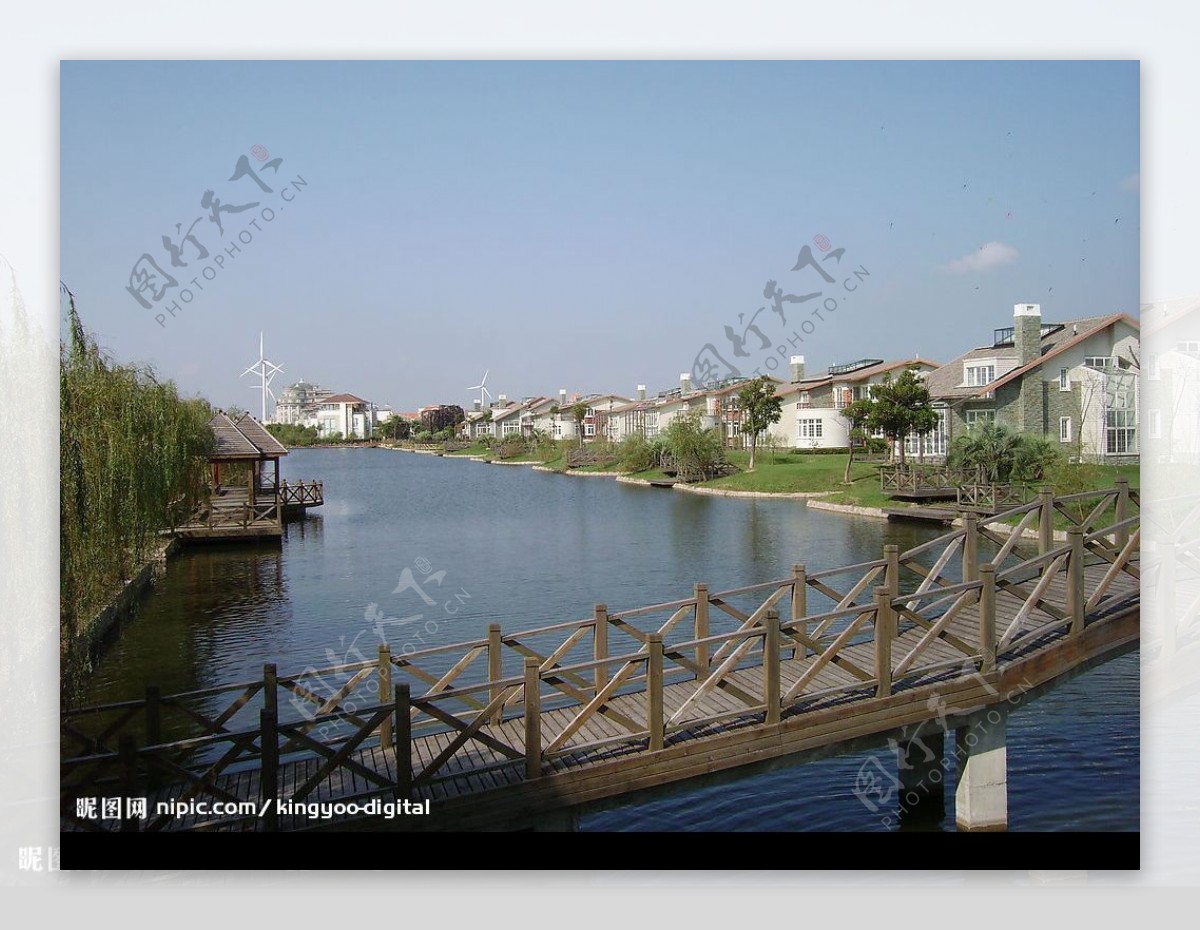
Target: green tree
(698,453)
(857,415)
(578,413)
(901,408)
(760,409)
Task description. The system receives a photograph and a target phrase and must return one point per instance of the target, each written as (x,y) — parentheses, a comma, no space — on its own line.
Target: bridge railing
(306,493)
(526,698)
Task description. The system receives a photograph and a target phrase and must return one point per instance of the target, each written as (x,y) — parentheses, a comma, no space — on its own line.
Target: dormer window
(979,375)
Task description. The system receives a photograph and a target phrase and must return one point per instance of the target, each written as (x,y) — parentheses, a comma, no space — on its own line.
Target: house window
(980,418)
(1156,424)
(864,391)
(589,429)
(1121,432)
(1064,379)
(1188,347)
(1152,371)
(805,400)
(811,429)
(1099,361)
(1064,429)
(841,397)
(556,430)
(979,375)
(933,443)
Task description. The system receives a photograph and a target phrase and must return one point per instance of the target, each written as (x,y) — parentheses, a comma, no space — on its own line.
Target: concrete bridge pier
(981,781)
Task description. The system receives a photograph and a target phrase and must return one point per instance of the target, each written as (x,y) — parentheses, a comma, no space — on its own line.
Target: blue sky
(588,225)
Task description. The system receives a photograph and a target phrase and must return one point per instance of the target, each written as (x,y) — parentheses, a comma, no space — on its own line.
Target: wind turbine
(265,371)
(481,387)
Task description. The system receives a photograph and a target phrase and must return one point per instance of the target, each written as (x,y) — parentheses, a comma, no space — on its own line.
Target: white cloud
(1132,183)
(988,255)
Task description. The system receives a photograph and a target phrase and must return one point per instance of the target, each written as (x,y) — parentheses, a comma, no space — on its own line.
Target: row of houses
(1074,382)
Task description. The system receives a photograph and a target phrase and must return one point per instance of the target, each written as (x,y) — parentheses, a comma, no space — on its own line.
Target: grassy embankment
(792,472)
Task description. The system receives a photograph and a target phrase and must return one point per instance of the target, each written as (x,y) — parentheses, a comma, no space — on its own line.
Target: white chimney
(685,383)
(797,362)
(562,397)
(641,392)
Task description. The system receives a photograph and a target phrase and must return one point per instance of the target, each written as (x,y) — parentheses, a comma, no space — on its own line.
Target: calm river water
(529,548)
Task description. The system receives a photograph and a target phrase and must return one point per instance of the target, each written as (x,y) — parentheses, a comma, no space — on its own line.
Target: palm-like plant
(990,450)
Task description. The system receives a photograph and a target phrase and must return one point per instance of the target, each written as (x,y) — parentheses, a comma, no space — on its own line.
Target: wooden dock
(521,730)
(253,503)
(924,514)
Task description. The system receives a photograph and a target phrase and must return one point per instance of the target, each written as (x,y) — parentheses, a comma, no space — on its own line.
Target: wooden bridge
(522,730)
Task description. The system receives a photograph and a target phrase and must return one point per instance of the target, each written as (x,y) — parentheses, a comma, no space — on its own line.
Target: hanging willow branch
(129,448)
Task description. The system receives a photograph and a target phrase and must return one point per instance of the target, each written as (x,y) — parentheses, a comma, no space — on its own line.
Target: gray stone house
(1074,382)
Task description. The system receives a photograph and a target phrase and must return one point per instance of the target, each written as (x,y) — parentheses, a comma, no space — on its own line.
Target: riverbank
(102,629)
(817,479)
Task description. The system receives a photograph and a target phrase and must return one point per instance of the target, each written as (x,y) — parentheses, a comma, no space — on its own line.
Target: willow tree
(132,460)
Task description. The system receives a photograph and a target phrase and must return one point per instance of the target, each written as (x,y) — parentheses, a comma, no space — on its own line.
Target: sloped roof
(266,444)
(851,377)
(343,399)
(231,442)
(946,381)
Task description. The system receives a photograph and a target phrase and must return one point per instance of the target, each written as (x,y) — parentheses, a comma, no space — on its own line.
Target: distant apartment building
(297,405)
(1075,383)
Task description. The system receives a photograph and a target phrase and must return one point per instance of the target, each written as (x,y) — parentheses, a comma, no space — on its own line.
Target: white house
(345,415)
(812,406)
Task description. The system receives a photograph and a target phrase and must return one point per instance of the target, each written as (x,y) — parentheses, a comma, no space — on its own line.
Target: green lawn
(784,472)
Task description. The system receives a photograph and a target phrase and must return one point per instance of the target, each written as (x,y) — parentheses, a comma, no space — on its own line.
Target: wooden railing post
(127,753)
(495,668)
(153,715)
(800,601)
(268,738)
(533,718)
(970,570)
(987,617)
(1045,520)
(271,689)
(1076,600)
(891,579)
(771,665)
(701,629)
(883,640)
(600,645)
(1122,512)
(402,744)
(654,690)
(385,691)
(153,729)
